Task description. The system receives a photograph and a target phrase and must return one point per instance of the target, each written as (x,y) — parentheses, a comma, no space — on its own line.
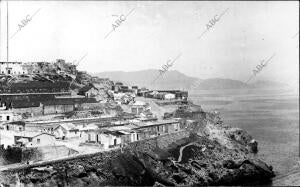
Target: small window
(38,140)
(7,118)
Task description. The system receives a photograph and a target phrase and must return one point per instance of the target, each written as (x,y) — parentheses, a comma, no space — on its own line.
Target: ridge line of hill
(177,80)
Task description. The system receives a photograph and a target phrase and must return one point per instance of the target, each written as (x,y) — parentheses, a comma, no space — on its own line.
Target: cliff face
(210,155)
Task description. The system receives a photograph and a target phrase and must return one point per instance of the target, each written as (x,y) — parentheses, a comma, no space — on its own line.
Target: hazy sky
(155,32)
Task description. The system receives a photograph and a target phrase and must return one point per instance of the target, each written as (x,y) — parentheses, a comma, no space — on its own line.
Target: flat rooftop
(155,123)
(70,120)
(10,62)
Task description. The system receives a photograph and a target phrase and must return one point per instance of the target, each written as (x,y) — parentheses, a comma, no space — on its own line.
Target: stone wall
(90,106)
(36,111)
(57,109)
(165,141)
(48,109)
(162,141)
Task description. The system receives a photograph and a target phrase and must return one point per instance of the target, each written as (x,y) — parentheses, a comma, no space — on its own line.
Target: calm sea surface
(270,116)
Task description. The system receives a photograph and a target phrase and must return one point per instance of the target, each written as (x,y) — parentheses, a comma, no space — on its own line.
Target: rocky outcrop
(232,138)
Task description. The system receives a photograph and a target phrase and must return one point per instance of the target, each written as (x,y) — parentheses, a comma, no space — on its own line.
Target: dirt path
(181,150)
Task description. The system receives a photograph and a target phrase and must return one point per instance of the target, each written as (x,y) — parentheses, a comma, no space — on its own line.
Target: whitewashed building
(109,139)
(138,107)
(8,116)
(11,68)
(111,136)
(169,96)
(66,130)
(34,139)
(15,126)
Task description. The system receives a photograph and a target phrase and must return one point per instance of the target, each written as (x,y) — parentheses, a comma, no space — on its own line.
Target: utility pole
(7,31)
(0,32)
(0,59)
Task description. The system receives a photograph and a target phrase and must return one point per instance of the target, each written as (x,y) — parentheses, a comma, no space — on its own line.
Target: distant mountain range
(178,80)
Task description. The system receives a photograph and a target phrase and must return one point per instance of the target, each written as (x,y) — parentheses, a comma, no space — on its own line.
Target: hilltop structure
(17,68)
(11,68)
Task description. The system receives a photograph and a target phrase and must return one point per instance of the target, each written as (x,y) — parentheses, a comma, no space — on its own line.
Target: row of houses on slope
(114,134)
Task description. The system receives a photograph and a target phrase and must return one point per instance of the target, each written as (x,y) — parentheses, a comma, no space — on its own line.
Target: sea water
(270,116)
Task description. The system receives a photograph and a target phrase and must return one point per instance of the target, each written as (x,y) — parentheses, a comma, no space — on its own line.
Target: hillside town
(49,106)
(199,100)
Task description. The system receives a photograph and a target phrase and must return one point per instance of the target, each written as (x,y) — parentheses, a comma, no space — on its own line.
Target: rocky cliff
(214,154)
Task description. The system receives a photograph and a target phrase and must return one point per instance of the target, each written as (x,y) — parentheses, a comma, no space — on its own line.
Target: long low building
(43,104)
(111,136)
(34,139)
(156,128)
(178,93)
(118,135)
(83,124)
